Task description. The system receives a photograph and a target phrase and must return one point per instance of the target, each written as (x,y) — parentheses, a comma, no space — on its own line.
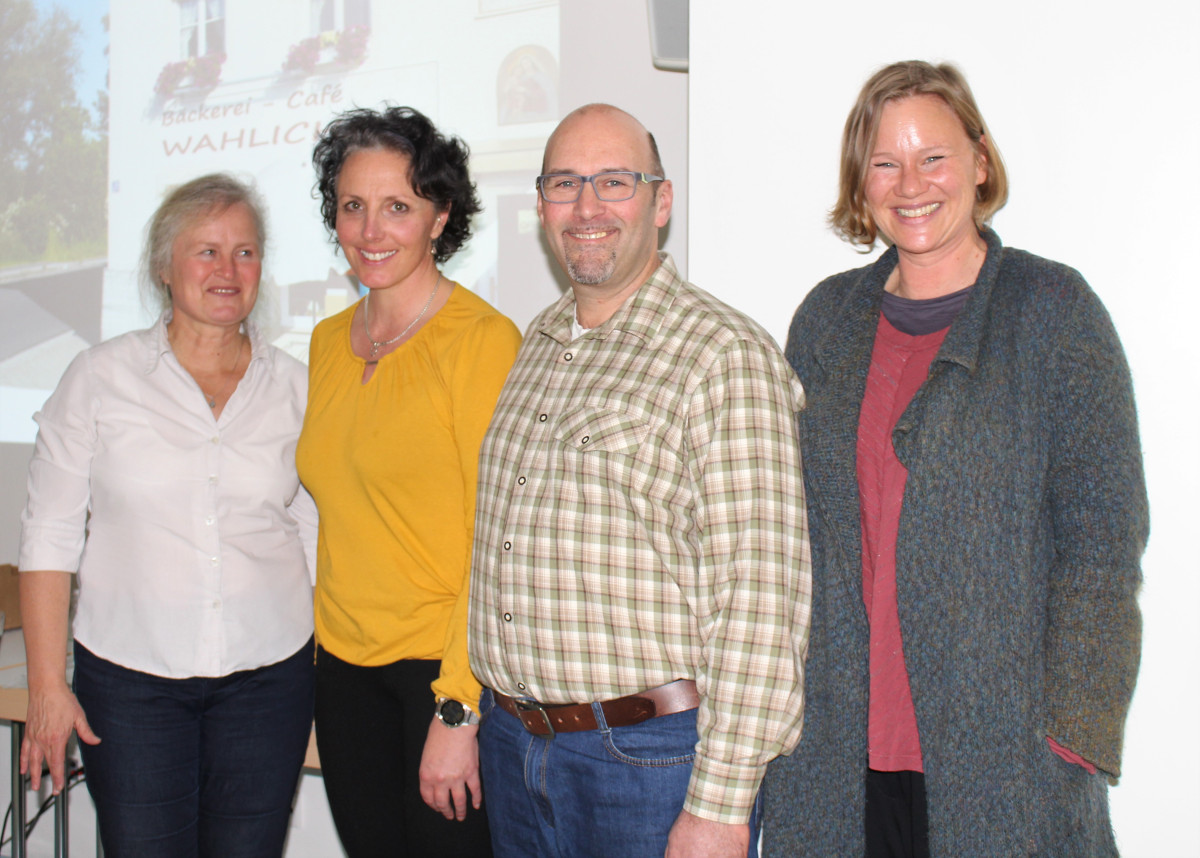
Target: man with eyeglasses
(641,578)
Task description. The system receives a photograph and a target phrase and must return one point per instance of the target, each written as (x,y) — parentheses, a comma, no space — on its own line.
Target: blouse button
(508,546)
(520,481)
(508,618)
(542,418)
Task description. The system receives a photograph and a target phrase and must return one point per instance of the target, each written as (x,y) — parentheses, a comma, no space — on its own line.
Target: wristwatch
(453,714)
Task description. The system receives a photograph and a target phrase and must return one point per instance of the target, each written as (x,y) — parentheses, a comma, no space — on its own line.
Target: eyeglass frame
(642,179)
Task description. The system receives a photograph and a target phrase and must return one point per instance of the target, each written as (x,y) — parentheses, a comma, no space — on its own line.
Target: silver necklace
(212,400)
(376,346)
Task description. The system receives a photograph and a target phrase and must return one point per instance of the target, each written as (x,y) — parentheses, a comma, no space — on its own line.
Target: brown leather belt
(548,719)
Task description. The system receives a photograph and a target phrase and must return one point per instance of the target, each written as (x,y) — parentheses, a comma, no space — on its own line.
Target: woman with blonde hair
(977,511)
(164,479)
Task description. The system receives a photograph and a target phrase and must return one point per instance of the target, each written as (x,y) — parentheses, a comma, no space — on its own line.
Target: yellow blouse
(392,465)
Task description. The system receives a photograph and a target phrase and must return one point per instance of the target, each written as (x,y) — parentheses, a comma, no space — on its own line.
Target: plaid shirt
(641,519)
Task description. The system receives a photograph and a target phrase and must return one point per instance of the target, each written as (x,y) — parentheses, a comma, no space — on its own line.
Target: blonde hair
(850,217)
(180,209)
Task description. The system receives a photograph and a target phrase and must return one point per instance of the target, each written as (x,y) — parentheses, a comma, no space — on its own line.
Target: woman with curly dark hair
(402,388)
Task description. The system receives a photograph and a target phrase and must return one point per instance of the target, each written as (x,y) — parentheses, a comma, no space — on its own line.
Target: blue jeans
(613,791)
(195,767)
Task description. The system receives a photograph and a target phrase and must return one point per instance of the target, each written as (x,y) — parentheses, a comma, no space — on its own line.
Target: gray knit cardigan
(1018,566)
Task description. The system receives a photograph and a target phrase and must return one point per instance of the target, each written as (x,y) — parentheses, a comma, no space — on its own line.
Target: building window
(202,27)
(358,13)
(330,15)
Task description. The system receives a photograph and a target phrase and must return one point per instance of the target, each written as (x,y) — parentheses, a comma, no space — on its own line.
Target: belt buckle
(534,706)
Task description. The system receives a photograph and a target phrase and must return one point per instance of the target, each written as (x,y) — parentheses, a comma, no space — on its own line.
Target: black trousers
(371,729)
(897,823)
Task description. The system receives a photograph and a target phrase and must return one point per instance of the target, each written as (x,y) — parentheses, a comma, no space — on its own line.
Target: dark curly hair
(438,166)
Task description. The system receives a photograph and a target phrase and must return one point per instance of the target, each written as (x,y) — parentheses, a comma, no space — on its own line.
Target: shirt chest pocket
(600,430)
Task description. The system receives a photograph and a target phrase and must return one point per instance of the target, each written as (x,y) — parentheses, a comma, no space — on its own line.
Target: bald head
(608,115)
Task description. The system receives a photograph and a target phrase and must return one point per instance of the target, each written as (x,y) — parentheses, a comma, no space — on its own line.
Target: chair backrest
(10,599)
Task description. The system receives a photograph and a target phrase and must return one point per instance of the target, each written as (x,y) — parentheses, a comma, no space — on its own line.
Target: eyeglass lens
(609,187)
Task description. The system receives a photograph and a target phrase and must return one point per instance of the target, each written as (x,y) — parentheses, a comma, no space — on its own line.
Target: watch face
(452,712)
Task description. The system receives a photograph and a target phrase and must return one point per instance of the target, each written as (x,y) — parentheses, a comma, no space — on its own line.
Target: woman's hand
(52,715)
(53,711)
(450,768)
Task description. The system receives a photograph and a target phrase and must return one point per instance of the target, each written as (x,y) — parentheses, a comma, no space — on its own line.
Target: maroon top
(899,366)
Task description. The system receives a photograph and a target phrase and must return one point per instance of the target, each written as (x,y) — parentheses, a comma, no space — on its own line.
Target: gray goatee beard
(591,272)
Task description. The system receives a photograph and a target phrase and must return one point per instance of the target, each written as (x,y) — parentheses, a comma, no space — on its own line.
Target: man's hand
(693,837)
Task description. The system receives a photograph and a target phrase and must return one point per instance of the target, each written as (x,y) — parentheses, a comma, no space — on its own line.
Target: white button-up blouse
(192,537)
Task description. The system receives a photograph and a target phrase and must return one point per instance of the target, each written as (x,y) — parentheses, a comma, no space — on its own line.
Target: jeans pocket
(487,702)
(669,740)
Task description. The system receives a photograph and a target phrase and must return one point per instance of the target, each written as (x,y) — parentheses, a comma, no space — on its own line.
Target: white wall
(1094,110)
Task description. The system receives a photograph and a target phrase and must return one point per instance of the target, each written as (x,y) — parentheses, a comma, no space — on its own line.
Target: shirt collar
(642,314)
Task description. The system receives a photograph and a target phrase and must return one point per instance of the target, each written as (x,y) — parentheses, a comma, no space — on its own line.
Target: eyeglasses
(613,187)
